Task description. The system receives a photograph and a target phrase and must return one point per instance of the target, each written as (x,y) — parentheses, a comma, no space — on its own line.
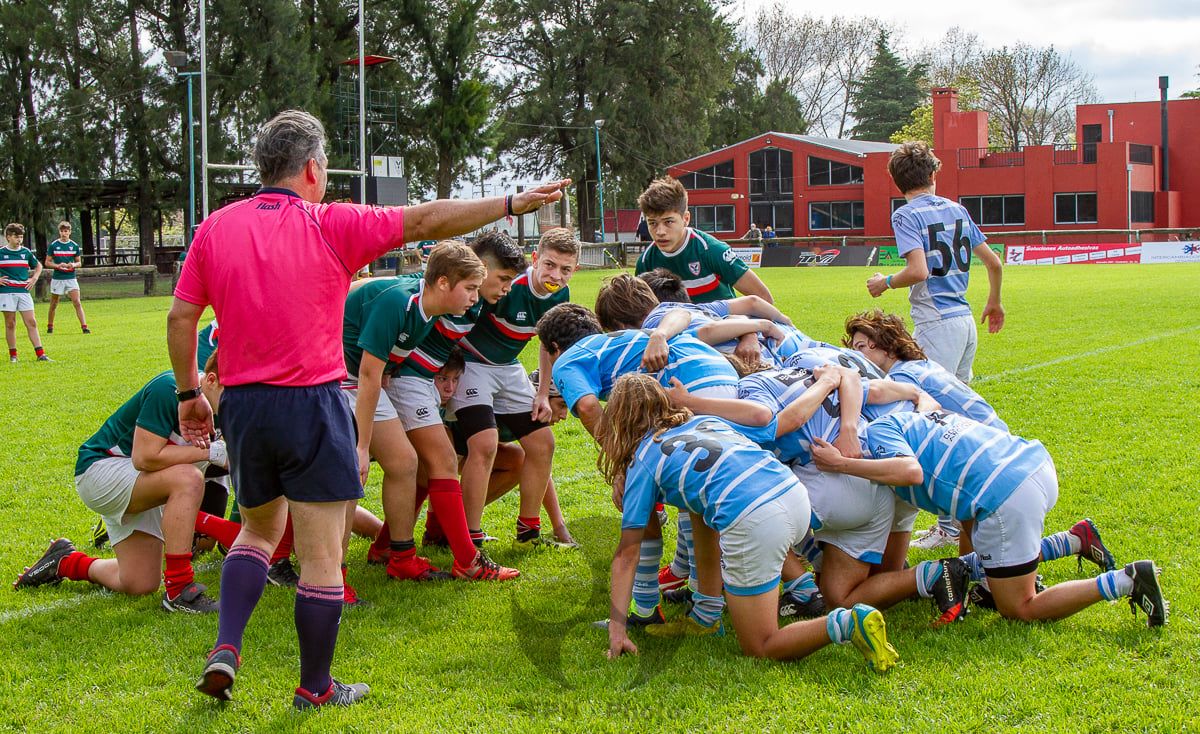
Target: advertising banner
(1154,253)
(1073,254)
(788,257)
(889,257)
(752,256)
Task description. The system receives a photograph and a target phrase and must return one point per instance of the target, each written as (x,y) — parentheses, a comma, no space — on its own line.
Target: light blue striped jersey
(947,389)
(705,466)
(944,230)
(777,389)
(822,354)
(970,469)
(593,364)
(706,313)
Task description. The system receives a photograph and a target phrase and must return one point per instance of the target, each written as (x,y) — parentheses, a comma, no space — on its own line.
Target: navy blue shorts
(293,442)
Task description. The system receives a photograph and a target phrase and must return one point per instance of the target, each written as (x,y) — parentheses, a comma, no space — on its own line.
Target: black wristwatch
(185,395)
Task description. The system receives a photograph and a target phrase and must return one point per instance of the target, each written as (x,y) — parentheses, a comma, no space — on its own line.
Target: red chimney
(952,129)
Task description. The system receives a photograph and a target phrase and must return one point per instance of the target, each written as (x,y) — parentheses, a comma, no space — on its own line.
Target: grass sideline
(456,657)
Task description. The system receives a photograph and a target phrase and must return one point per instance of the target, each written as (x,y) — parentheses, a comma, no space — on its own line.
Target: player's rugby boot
(1091,547)
(950,591)
(45,569)
(1147,594)
(220,669)
(339,694)
(869,635)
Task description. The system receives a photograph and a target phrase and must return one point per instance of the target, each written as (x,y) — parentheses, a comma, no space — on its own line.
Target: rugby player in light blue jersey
(852,517)
(936,237)
(747,510)
(946,463)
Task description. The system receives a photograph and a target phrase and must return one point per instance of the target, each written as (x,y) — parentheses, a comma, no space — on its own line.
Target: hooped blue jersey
(822,354)
(776,389)
(944,230)
(706,313)
(970,469)
(947,389)
(705,466)
(592,365)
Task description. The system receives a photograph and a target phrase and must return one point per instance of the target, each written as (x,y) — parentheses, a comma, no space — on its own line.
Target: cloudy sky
(1125,44)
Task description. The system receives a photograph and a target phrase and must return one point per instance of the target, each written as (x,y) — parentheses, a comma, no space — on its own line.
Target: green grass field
(1101,363)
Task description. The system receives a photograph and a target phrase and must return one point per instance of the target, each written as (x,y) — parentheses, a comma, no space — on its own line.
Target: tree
(745,109)
(458,97)
(883,100)
(1032,92)
(654,84)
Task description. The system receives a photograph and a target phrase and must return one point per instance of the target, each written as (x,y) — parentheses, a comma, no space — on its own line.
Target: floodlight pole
(362,108)
(203,110)
(191,223)
(599,178)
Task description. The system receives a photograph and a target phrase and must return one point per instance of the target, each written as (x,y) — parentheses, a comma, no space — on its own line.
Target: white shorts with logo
(415,400)
(384,410)
(855,514)
(63,287)
(106,488)
(505,388)
(753,548)
(16,302)
(1012,535)
(951,343)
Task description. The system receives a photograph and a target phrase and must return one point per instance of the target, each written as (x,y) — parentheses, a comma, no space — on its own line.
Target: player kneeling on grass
(733,488)
(147,484)
(945,463)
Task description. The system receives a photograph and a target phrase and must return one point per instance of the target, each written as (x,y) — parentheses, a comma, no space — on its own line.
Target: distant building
(810,186)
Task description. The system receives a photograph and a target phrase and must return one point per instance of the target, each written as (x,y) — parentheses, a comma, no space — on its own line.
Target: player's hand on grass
(876,285)
(620,645)
(196,421)
(364,463)
(534,199)
(657,353)
(993,316)
(825,455)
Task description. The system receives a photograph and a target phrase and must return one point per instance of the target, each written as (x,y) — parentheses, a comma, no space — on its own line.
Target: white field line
(1084,355)
(26,613)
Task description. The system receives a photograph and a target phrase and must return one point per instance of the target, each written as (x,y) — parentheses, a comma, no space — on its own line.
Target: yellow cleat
(686,626)
(869,635)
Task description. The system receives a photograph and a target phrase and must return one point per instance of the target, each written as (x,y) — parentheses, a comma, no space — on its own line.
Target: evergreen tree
(746,110)
(884,99)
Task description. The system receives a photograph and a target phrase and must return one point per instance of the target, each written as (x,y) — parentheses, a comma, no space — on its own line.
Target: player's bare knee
(539,444)
(139,584)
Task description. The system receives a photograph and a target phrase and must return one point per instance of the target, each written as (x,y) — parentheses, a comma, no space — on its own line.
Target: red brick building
(809,186)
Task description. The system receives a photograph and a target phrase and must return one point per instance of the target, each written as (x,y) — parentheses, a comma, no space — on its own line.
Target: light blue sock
(645,580)
(1059,545)
(972,561)
(681,564)
(802,587)
(928,573)
(949,525)
(706,609)
(1114,585)
(838,625)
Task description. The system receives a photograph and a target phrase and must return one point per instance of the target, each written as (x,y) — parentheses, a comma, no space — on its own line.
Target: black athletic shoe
(219,671)
(282,573)
(950,592)
(678,595)
(45,569)
(49,329)
(1147,594)
(339,694)
(99,534)
(793,606)
(191,600)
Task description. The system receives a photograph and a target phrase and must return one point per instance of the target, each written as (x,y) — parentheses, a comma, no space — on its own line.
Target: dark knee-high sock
(318,615)
(445,496)
(243,576)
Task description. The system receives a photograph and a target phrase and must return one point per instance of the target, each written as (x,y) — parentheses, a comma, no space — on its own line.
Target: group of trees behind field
(86,93)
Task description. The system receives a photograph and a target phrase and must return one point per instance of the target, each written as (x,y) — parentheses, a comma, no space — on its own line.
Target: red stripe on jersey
(509,332)
(447,332)
(421,360)
(712,285)
(14,264)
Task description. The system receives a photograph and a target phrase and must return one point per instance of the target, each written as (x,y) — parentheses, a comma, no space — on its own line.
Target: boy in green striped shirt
(19,271)
(65,256)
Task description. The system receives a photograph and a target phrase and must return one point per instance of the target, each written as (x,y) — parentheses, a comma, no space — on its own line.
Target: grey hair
(285,143)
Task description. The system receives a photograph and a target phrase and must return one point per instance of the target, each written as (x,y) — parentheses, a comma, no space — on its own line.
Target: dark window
(1141,154)
(897,203)
(1075,208)
(835,215)
(771,174)
(1141,207)
(822,172)
(718,218)
(995,210)
(719,176)
(1091,136)
(777,216)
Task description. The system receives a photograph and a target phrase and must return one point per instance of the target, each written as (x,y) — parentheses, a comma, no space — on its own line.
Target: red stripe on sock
(445,497)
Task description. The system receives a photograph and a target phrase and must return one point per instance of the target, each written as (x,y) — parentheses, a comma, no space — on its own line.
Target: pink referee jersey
(276,269)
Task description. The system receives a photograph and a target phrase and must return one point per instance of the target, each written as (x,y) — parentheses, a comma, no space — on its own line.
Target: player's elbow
(912,473)
(758,415)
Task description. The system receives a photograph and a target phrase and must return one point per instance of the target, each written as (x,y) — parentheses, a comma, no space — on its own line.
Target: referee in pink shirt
(276,269)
